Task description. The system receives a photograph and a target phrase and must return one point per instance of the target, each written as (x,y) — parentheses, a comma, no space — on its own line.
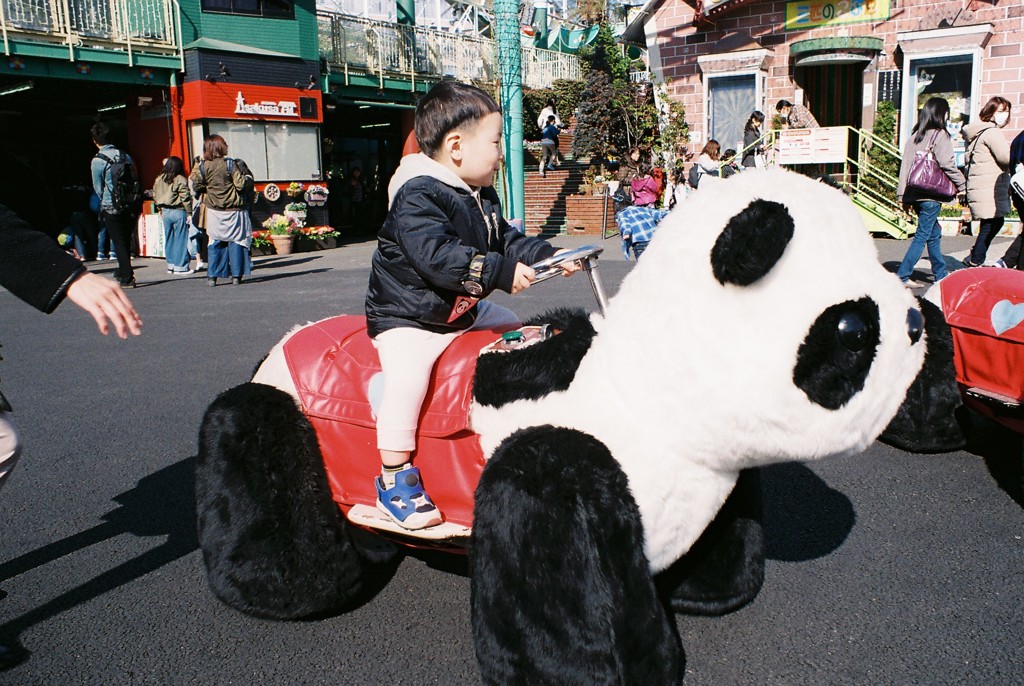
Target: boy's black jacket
(424,249)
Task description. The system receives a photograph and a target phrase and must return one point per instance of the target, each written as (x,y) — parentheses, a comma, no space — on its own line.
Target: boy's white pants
(407,357)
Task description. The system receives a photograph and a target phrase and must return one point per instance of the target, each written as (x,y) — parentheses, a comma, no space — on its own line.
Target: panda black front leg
(274,542)
(561,590)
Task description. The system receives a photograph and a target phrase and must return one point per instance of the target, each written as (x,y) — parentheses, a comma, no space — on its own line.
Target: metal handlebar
(587,257)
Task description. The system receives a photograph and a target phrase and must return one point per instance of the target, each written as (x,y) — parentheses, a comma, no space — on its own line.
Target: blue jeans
(987,231)
(929,234)
(104,246)
(227,259)
(175,239)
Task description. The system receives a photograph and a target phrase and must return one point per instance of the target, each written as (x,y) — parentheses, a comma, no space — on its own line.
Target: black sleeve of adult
(32,266)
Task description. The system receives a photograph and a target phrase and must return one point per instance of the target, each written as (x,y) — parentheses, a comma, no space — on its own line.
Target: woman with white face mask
(988,183)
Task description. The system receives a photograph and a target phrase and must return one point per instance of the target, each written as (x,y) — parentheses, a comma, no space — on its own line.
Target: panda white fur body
(688,381)
(714,356)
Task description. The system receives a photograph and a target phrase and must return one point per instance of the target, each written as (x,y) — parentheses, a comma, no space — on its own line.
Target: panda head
(769,328)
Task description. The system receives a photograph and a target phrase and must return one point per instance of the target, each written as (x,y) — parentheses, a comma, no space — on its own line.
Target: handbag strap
(974,146)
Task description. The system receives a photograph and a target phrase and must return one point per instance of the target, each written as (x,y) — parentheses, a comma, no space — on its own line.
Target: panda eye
(852,332)
(915,324)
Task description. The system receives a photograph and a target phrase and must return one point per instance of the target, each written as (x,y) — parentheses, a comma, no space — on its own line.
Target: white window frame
(748,63)
(758,94)
(972,37)
(908,100)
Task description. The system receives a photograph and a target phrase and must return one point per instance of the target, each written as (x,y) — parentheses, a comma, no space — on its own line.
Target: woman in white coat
(988,183)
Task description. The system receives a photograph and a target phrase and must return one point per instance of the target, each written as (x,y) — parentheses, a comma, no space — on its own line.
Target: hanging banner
(803,14)
(812,146)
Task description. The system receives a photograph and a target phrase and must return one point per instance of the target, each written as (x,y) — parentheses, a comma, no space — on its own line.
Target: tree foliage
(566,94)
(604,54)
(616,114)
(885,162)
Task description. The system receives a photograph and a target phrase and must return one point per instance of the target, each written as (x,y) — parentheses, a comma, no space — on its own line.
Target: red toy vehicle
(984,308)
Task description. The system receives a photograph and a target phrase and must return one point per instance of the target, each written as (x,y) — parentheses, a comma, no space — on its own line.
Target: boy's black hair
(446,107)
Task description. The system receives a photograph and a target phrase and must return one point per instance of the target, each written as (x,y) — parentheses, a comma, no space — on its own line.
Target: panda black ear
(751,243)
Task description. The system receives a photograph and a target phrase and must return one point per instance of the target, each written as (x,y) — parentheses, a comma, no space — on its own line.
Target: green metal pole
(406,12)
(506,19)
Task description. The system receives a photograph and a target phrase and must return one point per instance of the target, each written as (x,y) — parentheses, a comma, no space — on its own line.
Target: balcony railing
(152,26)
(388,50)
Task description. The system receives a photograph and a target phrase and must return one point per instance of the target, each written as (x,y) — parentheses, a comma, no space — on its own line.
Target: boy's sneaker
(1000,263)
(406,502)
(970,263)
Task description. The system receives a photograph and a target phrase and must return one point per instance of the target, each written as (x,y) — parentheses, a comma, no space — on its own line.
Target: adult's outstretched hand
(105,300)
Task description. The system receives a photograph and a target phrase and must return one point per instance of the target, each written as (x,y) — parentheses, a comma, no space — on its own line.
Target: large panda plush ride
(621,453)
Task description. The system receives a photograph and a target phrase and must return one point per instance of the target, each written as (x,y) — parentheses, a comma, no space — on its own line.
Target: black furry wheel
(274,542)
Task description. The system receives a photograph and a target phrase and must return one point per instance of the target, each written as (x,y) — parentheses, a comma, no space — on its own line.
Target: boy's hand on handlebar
(569,268)
(523,278)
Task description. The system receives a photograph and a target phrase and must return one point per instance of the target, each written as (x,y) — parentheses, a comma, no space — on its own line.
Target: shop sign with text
(812,146)
(281,108)
(804,14)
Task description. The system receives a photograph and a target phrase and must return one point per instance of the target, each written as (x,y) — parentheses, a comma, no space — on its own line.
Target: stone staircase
(546,196)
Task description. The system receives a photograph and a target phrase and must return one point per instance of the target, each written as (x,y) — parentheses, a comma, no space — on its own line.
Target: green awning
(835,50)
(567,40)
(205,43)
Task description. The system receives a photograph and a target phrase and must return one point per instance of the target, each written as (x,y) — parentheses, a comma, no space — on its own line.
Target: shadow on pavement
(162,505)
(804,518)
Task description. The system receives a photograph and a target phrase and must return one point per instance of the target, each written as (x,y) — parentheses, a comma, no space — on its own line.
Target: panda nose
(915,324)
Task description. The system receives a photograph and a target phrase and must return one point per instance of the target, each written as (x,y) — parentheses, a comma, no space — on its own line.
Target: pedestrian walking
(988,183)
(226,191)
(928,134)
(174,200)
(117,211)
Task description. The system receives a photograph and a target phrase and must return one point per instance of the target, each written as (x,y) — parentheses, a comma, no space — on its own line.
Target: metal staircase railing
(870,187)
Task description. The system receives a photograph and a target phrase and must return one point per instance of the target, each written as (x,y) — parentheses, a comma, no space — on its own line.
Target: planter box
(1011,228)
(584,214)
(306,244)
(950,226)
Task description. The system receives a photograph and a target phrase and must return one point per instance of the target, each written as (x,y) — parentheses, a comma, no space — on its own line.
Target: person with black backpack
(116,182)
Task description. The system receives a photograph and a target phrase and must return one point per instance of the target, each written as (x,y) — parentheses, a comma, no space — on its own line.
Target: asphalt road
(886,568)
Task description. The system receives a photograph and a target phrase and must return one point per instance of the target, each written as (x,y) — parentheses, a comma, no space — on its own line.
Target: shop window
(731,99)
(949,78)
(273,151)
(280,9)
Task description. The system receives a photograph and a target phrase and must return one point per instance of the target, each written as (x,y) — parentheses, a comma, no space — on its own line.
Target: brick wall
(680,44)
(584,215)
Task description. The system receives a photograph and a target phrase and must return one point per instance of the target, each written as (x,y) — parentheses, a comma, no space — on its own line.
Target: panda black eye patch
(751,243)
(833,362)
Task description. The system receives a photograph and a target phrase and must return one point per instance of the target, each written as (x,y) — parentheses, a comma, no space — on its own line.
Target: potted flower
(294,189)
(261,242)
(282,233)
(317,238)
(296,211)
(599,185)
(589,174)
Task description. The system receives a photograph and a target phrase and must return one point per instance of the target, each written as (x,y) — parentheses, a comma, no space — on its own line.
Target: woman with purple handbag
(928,177)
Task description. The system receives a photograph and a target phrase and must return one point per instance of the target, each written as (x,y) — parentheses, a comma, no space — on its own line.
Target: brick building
(726,58)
